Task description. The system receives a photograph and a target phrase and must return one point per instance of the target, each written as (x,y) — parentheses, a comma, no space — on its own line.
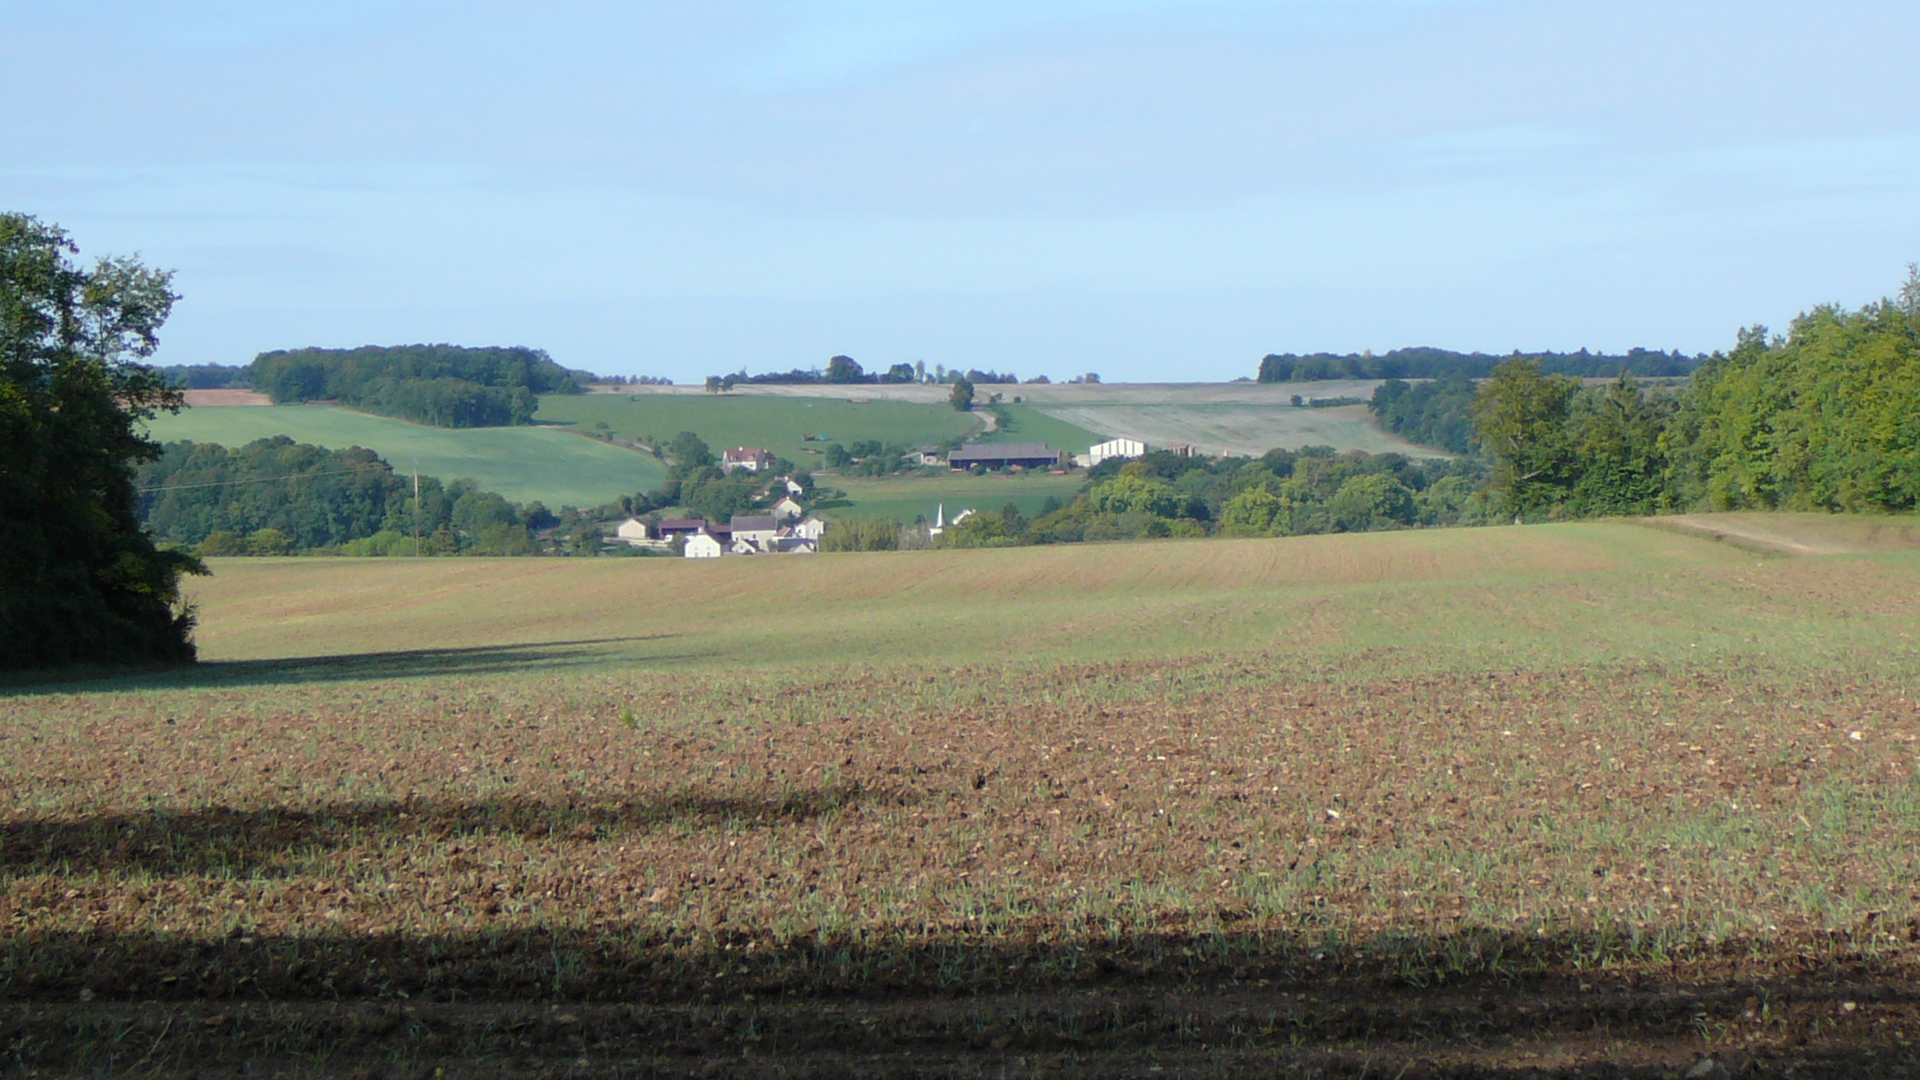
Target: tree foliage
(1827,418)
(442,385)
(1430,363)
(276,496)
(80,579)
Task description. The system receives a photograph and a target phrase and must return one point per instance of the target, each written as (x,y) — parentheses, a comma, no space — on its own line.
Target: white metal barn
(1115,448)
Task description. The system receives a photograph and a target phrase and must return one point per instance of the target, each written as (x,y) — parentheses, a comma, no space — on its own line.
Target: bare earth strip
(1800,534)
(214,398)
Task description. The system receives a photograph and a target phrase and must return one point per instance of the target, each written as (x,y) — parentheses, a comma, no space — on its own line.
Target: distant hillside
(1429,363)
(442,385)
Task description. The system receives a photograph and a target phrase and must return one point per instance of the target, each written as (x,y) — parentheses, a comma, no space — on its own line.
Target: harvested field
(1315,852)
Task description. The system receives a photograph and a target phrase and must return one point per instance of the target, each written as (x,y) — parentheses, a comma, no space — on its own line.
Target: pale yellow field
(1539,594)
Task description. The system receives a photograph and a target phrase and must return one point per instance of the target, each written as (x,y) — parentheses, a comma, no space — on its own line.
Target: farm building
(633,531)
(1004,456)
(672,527)
(788,508)
(703,546)
(751,458)
(1115,448)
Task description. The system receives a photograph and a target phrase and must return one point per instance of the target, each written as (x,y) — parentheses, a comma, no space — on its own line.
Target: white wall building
(703,546)
(810,528)
(1115,448)
(633,531)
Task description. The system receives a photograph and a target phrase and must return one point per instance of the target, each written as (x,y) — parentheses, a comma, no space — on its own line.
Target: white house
(793,486)
(633,531)
(703,546)
(1115,448)
(810,528)
(758,529)
(746,547)
(788,508)
(751,458)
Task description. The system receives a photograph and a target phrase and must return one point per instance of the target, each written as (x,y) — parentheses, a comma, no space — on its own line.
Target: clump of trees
(1282,493)
(442,385)
(278,497)
(80,579)
(845,370)
(1820,419)
(1431,363)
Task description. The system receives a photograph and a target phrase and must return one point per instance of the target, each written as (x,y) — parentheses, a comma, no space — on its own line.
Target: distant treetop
(1429,363)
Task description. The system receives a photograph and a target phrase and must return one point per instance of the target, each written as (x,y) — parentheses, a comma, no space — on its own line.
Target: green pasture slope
(906,497)
(777,424)
(549,464)
(1031,425)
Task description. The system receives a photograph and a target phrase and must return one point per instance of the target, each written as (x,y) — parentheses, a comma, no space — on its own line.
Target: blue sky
(1152,190)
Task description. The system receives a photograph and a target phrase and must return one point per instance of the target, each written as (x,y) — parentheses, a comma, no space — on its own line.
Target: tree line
(846,371)
(1430,363)
(442,385)
(1826,417)
(278,497)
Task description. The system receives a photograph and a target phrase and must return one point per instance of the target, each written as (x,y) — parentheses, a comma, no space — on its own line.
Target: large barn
(1004,455)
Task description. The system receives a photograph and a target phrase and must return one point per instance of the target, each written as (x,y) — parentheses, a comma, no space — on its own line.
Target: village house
(755,529)
(809,528)
(751,458)
(633,531)
(703,546)
(788,508)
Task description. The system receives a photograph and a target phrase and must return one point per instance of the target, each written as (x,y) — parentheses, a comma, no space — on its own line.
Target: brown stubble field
(1358,863)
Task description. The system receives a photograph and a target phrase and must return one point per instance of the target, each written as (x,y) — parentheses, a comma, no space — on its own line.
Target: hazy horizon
(1156,191)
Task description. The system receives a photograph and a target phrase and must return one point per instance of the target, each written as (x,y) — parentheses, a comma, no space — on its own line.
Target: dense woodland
(277,497)
(1429,363)
(207,376)
(442,385)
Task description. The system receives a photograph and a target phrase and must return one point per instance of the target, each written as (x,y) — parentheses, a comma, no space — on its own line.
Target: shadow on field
(545,656)
(276,841)
(970,1004)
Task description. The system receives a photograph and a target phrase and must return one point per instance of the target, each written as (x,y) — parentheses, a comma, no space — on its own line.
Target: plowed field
(1244,861)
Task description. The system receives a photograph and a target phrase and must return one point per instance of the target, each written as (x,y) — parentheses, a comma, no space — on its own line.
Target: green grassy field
(521,463)
(1594,799)
(778,424)
(1030,425)
(904,498)
(1539,596)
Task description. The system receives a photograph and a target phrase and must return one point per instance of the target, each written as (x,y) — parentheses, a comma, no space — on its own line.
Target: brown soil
(1196,868)
(207,398)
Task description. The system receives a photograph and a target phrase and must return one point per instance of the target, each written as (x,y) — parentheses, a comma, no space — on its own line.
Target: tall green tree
(1521,417)
(80,579)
